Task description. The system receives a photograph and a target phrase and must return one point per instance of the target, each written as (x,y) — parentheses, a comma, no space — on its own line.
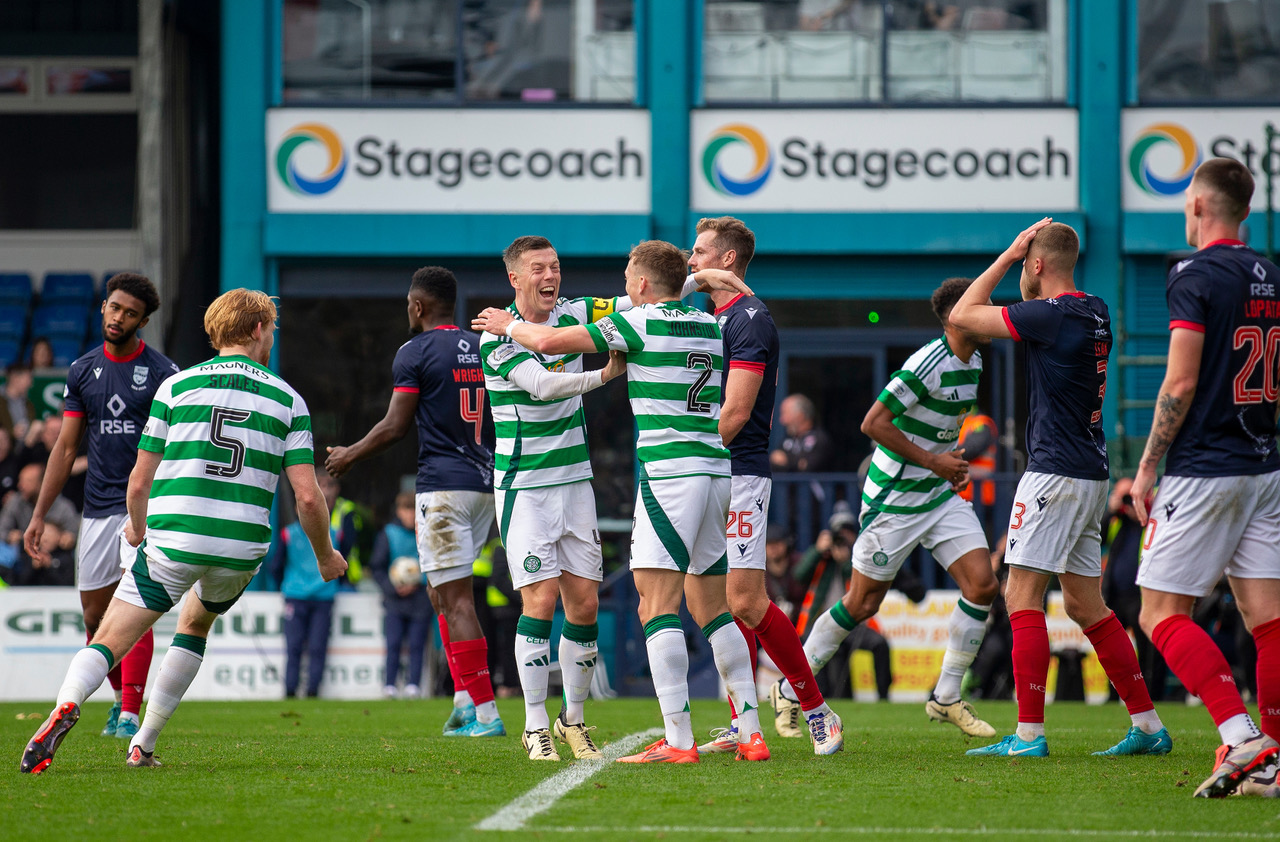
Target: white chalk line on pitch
(921,831)
(545,795)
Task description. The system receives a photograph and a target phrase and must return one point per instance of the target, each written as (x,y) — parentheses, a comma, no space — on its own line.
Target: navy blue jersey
(113,394)
(455,429)
(1231,294)
(1068,340)
(751,342)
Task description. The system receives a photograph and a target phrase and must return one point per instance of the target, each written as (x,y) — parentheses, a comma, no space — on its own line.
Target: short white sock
(125,716)
(733,661)
(1028,731)
(1238,729)
(1148,721)
(533,657)
(823,708)
(177,671)
(88,670)
(966,627)
(461,699)
(577,665)
(669,666)
(487,712)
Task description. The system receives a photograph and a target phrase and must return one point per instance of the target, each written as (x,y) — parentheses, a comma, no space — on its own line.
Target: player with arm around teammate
(1218,508)
(723,249)
(108,395)
(674,362)
(1056,521)
(200,497)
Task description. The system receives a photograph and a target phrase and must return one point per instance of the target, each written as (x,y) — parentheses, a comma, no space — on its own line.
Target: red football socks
(1199,665)
(1030,663)
(133,672)
(782,644)
(443,625)
(473,668)
(1267,638)
(1115,652)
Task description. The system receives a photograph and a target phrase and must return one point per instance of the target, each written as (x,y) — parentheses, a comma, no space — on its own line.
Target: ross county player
(437,380)
(209,462)
(108,396)
(1056,521)
(674,362)
(542,484)
(909,499)
(723,248)
(1218,508)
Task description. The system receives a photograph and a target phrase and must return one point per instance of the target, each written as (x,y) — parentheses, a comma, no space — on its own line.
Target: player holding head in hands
(1218,508)
(1055,525)
(674,364)
(200,498)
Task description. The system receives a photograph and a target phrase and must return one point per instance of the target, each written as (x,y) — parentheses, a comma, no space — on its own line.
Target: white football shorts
(748,521)
(1056,524)
(948,531)
(680,525)
(158,584)
(549,531)
(451,527)
(101,551)
(1202,527)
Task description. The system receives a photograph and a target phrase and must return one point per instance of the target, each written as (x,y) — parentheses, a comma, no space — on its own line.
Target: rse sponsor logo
(465,359)
(116,426)
(1262,289)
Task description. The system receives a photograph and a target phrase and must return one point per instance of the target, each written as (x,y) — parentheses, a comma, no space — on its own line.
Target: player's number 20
(1264,349)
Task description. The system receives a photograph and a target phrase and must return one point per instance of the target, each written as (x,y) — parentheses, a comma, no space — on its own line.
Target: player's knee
(1084,611)
(983,592)
(748,606)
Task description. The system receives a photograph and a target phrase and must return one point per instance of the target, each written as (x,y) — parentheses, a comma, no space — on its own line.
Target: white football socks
(967,626)
(177,670)
(533,658)
(734,664)
(578,656)
(88,670)
(669,665)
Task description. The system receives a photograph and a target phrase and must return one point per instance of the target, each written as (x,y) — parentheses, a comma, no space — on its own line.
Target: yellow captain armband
(601,307)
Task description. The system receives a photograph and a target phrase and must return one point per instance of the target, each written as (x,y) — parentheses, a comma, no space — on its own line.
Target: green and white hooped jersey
(225,428)
(675,366)
(929,397)
(539,443)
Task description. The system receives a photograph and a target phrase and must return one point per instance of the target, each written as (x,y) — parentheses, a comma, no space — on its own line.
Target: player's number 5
(218,438)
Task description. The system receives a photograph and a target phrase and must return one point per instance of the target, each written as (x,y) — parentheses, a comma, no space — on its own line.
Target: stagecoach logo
(140,375)
(730,177)
(311,183)
(1170,181)
(532,564)
(879,559)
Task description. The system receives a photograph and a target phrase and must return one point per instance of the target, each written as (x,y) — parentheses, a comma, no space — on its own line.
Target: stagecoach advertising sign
(893,160)
(427,160)
(1161,148)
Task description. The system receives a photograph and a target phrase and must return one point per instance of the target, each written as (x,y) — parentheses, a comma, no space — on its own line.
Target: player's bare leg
(750,604)
(471,653)
(858,604)
(578,655)
(966,628)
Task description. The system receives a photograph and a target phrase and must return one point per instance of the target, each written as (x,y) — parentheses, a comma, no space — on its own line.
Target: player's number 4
(471,407)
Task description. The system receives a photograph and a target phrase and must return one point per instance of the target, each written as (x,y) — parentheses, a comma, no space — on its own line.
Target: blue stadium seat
(13,322)
(67,288)
(10,351)
(59,321)
(15,288)
(66,350)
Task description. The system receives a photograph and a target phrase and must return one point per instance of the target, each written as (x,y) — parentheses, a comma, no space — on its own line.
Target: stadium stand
(67,288)
(15,289)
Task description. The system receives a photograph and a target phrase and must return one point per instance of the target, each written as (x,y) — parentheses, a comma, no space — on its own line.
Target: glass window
(873,50)
(459,50)
(1199,50)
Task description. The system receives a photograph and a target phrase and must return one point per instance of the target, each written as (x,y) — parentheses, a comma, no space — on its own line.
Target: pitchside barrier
(42,628)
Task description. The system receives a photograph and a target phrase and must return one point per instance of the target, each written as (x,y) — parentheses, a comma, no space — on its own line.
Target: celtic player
(674,353)
(542,485)
(909,499)
(209,462)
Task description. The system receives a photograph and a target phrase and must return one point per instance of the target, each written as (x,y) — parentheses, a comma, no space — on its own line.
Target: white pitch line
(925,831)
(544,796)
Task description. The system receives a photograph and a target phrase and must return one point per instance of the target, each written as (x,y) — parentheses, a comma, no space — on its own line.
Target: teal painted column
(668,61)
(245,79)
(1100,85)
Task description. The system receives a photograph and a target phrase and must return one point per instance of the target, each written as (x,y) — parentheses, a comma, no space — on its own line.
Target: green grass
(376,770)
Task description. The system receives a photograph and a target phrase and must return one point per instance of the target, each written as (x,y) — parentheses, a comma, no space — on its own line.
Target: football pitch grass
(303,770)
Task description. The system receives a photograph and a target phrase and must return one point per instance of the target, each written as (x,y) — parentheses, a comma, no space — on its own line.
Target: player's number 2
(471,406)
(218,437)
(696,360)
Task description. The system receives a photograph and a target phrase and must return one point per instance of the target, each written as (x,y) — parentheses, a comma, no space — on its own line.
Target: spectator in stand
(16,410)
(42,437)
(807,447)
(780,561)
(41,353)
(1122,540)
(8,466)
(406,608)
(14,518)
(308,598)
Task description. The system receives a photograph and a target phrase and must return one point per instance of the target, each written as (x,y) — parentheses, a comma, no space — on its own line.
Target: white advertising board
(898,159)
(1160,149)
(428,160)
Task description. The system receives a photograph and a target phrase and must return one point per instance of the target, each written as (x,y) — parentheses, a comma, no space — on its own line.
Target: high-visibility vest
(482,568)
(984,463)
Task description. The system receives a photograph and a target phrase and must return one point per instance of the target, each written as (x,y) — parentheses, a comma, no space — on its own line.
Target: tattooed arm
(1179,387)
